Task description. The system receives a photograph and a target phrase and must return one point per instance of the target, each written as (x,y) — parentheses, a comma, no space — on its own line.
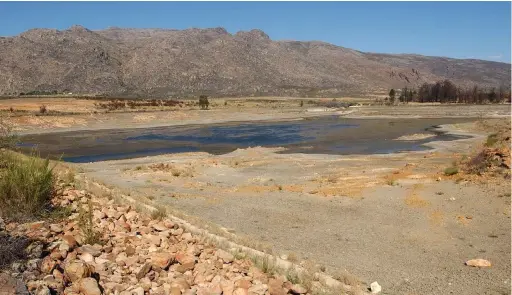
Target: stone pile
(133,255)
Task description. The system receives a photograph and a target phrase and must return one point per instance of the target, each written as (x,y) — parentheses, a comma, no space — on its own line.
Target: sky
(478,30)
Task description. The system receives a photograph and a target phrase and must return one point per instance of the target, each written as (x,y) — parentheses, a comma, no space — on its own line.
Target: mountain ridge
(169,62)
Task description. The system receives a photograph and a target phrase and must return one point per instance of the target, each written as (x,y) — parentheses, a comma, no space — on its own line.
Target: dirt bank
(89,117)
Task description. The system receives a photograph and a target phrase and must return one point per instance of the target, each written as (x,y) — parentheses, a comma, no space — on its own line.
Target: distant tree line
(447,92)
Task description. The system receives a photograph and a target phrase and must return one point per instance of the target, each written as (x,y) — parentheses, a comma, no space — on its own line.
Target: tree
(203,102)
(392,96)
(492,96)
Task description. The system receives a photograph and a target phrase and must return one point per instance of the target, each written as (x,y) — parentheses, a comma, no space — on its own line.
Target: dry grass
(159,214)
(86,225)
(26,186)
(292,257)
(347,278)
(175,170)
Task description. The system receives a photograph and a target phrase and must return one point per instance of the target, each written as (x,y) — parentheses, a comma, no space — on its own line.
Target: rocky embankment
(131,254)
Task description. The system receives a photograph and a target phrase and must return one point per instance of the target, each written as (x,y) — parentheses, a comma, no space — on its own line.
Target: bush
(12,249)
(492,139)
(159,214)
(86,224)
(7,139)
(42,109)
(26,186)
(451,171)
(203,102)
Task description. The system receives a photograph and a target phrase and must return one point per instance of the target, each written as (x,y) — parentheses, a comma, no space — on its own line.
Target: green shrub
(26,186)
(451,171)
(492,139)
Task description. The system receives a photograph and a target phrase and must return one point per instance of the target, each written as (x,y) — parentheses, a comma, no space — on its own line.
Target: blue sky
(454,29)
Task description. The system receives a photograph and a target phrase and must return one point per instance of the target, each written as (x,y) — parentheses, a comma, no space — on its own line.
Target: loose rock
(89,286)
(225,256)
(375,288)
(478,263)
(298,289)
(77,270)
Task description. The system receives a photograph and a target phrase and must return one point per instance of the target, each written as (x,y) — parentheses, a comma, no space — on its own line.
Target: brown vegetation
(113,105)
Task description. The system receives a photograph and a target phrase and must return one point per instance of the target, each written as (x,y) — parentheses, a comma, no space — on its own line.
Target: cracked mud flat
(380,217)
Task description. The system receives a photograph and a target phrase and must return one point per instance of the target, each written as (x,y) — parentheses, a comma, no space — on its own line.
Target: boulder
(77,270)
(225,256)
(258,289)
(47,265)
(154,240)
(169,224)
(275,287)
(175,290)
(94,251)
(143,271)
(240,291)
(228,287)
(55,228)
(298,289)
(137,291)
(243,283)
(161,259)
(70,241)
(88,286)
(86,257)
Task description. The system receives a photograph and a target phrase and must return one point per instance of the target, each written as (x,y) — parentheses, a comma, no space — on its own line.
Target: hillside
(154,62)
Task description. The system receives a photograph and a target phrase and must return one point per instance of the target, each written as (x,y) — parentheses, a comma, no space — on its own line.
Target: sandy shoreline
(25,125)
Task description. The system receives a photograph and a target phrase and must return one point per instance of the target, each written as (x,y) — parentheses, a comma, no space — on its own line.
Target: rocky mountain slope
(165,63)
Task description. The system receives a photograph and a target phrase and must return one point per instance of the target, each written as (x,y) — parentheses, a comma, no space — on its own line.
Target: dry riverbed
(392,218)
(396,218)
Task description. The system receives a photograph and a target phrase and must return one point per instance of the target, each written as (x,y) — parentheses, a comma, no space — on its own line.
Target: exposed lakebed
(324,135)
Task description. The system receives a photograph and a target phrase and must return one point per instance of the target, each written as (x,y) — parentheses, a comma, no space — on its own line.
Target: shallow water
(329,135)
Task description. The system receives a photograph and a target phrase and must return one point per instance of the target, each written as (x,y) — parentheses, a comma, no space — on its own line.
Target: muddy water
(330,135)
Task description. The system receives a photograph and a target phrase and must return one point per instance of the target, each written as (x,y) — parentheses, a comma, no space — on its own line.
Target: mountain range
(174,63)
